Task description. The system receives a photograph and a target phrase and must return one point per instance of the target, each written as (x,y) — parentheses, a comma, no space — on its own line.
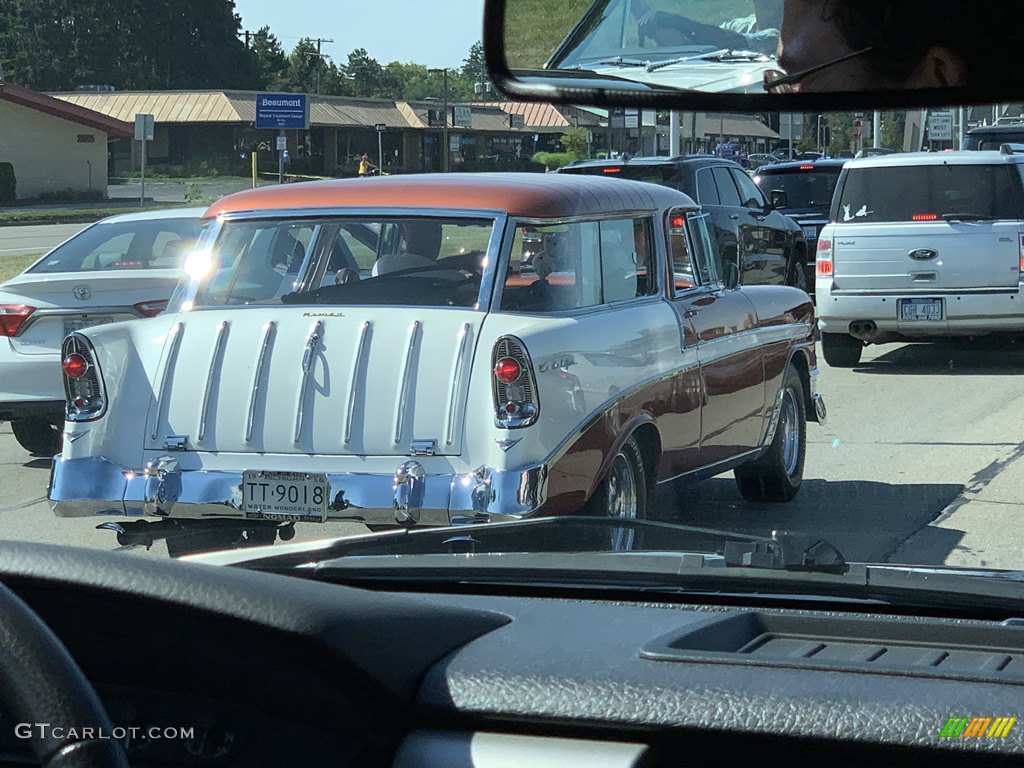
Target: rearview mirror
(751,55)
(779,198)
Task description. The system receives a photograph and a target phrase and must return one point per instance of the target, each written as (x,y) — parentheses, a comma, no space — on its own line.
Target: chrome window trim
(42,314)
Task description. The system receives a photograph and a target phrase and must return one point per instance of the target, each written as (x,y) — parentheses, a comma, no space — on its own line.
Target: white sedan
(120,268)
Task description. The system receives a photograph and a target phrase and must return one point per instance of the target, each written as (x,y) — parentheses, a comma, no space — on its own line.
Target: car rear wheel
(797,277)
(841,350)
(776,476)
(622,494)
(37,436)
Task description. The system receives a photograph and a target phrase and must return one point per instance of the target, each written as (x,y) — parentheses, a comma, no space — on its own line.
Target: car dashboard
(237,667)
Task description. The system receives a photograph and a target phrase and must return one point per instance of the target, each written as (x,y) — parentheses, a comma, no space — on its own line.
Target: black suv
(808,188)
(763,245)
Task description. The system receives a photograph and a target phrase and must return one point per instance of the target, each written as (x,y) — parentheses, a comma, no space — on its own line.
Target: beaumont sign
(282,110)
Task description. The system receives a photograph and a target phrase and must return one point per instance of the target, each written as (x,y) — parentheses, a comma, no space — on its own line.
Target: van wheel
(622,495)
(37,436)
(841,350)
(776,476)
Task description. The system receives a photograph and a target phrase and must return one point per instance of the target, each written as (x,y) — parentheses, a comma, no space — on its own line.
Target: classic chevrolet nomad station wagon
(424,350)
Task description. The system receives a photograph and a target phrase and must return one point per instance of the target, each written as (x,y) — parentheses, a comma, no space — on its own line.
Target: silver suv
(921,247)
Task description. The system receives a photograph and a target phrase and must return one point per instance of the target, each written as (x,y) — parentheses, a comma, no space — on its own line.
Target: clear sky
(437,34)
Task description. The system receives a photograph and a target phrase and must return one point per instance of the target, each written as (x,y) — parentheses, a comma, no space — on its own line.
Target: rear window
(928,193)
(804,189)
(126,245)
(666,175)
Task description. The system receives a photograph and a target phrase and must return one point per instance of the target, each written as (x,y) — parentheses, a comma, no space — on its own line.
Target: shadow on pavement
(963,357)
(867,521)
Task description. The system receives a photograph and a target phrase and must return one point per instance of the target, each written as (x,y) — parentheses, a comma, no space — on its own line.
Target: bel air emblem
(82,292)
(923,254)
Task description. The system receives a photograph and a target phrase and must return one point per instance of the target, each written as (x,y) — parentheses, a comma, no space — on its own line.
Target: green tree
(574,141)
(363,73)
(271,61)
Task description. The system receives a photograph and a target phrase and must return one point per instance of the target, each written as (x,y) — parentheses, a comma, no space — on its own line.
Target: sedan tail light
(12,317)
(83,385)
(151,308)
(516,403)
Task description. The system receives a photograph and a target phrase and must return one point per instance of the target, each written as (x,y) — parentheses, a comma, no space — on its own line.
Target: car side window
(705,250)
(559,267)
(727,192)
(751,196)
(707,191)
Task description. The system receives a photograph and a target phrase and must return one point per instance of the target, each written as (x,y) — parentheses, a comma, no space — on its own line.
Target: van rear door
(941,226)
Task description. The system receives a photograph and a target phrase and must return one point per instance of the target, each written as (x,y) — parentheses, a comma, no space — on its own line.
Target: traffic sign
(282,143)
(381,127)
(144,126)
(940,126)
(282,110)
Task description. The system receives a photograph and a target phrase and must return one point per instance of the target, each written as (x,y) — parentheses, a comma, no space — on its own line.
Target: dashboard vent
(886,646)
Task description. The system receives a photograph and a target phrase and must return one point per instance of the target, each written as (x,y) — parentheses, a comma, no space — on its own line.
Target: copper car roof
(532,195)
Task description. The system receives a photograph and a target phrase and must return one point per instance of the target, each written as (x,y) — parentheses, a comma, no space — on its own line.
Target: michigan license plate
(811,233)
(285,496)
(912,310)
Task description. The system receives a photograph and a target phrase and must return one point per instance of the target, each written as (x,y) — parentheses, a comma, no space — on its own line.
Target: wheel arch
(800,360)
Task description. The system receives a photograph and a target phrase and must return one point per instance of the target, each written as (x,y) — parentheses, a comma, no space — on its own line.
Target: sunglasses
(777,81)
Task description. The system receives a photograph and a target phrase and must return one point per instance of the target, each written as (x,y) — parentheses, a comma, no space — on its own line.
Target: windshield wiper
(723,55)
(620,61)
(966,217)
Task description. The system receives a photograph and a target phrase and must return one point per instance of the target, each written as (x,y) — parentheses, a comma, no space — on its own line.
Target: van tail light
(823,261)
(83,386)
(151,308)
(1020,253)
(516,403)
(12,317)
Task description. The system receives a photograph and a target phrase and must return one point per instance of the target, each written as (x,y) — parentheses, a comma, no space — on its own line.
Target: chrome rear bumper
(93,486)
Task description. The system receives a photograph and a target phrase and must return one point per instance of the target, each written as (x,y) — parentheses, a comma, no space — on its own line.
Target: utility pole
(445,150)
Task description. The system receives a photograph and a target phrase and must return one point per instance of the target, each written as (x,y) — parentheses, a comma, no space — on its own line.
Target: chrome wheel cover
(789,430)
(622,501)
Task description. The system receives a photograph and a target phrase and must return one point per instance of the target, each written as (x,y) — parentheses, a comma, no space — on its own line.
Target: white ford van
(920,247)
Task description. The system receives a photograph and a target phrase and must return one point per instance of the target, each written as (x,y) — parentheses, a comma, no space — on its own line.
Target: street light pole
(447,151)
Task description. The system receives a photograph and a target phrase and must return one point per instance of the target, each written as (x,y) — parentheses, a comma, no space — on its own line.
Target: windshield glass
(147,244)
(929,192)
(390,262)
(469,335)
(809,188)
(654,30)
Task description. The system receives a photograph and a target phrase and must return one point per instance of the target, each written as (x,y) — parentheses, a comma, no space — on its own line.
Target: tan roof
(534,195)
(711,124)
(75,113)
(541,115)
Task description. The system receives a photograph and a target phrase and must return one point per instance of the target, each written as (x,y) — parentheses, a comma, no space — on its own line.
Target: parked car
(454,347)
(803,191)
(122,267)
(755,242)
(921,246)
(992,137)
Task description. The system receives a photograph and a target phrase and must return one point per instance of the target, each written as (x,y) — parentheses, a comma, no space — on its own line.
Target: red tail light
(823,268)
(516,402)
(508,370)
(806,167)
(613,170)
(925,217)
(151,308)
(823,261)
(75,366)
(12,317)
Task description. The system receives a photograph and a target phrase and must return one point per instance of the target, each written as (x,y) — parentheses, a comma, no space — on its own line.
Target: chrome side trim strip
(353,391)
(403,387)
(254,390)
(170,350)
(460,360)
(307,365)
(215,359)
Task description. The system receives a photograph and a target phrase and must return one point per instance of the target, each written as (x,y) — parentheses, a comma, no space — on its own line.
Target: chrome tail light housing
(516,400)
(86,397)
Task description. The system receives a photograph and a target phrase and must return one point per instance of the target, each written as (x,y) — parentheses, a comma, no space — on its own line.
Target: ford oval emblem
(923,254)
(82,292)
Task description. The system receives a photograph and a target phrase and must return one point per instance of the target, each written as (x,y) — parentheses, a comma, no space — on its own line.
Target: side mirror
(730,276)
(780,199)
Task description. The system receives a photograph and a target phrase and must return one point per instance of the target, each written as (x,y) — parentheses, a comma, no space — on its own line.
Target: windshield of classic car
(388,262)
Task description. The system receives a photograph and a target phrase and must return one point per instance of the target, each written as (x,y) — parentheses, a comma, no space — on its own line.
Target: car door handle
(761,218)
(734,216)
(691,312)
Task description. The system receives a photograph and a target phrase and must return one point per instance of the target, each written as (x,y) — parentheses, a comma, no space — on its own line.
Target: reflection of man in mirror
(757,32)
(856,45)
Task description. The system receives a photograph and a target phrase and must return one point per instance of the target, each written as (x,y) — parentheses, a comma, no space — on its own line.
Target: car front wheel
(37,436)
(776,476)
(623,495)
(841,350)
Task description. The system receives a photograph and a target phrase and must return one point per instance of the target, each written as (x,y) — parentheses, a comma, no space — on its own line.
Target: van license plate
(912,310)
(285,496)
